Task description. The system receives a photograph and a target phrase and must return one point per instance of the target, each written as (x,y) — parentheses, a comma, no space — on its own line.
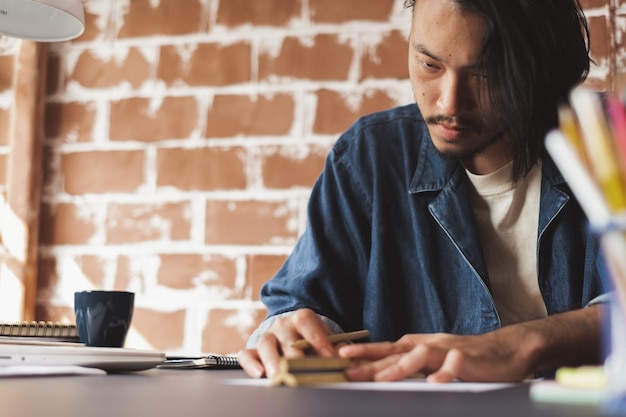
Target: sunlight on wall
(14,234)
(11,295)
(13,231)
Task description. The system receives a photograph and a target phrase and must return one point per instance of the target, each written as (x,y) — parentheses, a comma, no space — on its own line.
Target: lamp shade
(42,20)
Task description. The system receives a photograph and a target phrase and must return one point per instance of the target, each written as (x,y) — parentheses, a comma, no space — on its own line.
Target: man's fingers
(381,355)
(269,351)
(367,370)
(471,367)
(249,361)
(372,351)
(440,377)
(312,329)
(421,359)
(452,368)
(278,341)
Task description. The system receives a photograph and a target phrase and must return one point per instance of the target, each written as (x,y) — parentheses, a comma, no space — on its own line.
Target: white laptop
(39,353)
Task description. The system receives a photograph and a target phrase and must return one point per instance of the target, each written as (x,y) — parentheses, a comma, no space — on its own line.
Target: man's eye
(428,66)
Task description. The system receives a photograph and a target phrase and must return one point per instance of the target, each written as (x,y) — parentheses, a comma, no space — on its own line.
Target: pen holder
(614,249)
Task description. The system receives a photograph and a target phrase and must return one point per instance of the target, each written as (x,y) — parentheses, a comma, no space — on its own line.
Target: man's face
(444,47)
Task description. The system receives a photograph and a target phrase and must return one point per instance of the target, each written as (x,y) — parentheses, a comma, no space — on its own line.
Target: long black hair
(534,53)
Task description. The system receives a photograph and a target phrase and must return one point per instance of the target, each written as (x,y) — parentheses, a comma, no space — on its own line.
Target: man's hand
(443,357)
(277,341)
(508,354)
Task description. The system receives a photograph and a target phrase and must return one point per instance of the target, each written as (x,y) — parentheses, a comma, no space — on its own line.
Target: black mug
(103,317)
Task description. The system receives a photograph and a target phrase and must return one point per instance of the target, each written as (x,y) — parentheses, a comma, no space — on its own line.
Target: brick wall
(182,139)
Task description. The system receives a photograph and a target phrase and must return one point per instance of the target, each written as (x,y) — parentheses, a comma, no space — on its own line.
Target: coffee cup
(103,317)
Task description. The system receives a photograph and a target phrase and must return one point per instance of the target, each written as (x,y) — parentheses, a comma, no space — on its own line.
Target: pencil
(335,338)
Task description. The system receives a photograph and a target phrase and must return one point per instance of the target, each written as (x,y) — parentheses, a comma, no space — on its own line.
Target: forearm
(567,339)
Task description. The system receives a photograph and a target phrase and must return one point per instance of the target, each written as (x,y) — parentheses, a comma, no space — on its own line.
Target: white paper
(29,370)
(405,385)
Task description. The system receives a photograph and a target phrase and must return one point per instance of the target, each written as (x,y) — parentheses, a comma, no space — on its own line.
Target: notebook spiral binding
(38,329)
(224,362)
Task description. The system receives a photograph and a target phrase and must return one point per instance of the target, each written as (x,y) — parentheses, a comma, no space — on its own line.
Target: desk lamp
(42,20)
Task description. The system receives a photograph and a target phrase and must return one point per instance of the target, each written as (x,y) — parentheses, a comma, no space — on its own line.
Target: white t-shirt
(507,217)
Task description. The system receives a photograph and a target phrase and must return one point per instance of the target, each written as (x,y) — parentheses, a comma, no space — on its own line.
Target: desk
(192,393)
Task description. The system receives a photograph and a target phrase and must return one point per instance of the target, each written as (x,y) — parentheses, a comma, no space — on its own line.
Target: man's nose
(454,95)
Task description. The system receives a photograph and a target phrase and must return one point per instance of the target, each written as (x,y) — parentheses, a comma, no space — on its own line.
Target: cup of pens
(614,248)
(589,148)
(103,317)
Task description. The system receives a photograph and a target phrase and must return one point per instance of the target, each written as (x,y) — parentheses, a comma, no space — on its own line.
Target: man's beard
(462,123)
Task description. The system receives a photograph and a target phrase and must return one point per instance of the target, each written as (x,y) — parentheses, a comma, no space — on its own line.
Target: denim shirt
(391,243)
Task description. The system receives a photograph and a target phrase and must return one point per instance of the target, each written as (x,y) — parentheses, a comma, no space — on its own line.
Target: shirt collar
(433,172)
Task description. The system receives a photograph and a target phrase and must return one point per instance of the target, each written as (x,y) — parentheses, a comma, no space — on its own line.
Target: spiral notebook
(47,330)
(211,361)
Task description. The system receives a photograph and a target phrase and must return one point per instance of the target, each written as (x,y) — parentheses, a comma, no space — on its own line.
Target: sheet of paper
(28,370)
(406,385)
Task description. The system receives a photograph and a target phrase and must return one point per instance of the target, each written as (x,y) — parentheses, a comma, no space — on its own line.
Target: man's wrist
(567,339)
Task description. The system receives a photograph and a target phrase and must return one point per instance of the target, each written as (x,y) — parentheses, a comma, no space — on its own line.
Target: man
(444,226)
